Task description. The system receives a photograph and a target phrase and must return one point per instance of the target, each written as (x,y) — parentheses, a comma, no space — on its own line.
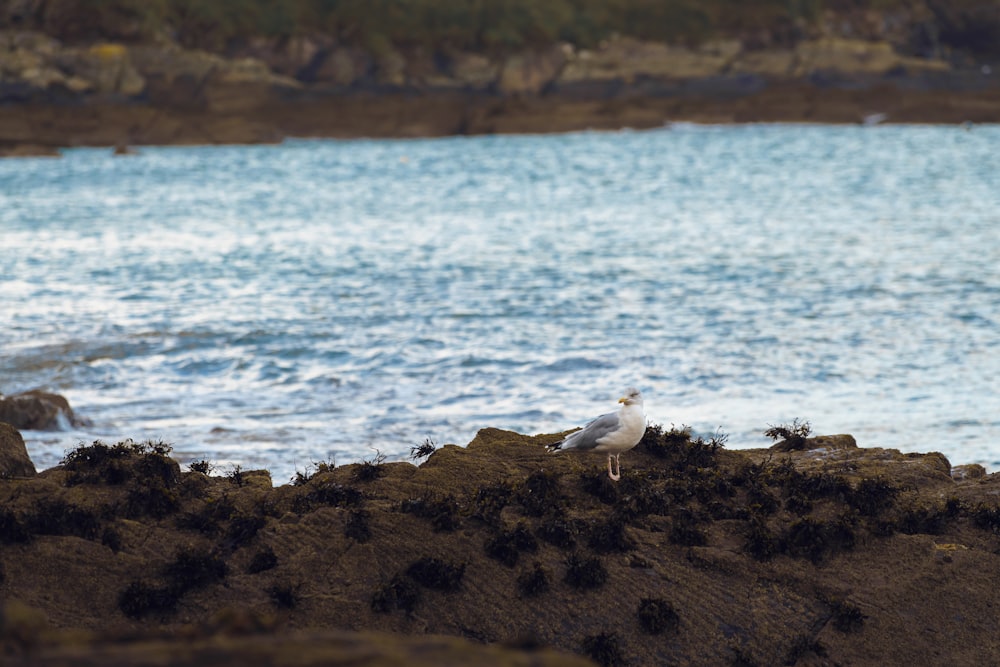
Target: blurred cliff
(169,71)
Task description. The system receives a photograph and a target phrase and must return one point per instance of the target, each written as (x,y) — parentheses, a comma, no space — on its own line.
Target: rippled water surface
(273,306)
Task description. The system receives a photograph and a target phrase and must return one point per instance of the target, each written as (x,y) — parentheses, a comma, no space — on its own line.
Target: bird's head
(632,397)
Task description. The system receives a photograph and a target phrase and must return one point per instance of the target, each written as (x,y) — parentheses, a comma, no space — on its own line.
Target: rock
(627,59)
(29,150)
(14,459)
(189,79)
(532,71)
(242,85)
(36,410)
(968,471)
(34,66)
(769,64)
(390,68)
(727,555)
(21,626)
(472,70)
(916,471)
(102,68)
(313,648)
(30,41)
(258,478)
(842,441)
(832,55)
(418,65)
(292,57)
(343,67)
(854,56)
(26,68)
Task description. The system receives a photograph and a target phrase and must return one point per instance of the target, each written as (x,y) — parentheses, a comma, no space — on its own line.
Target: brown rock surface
(35,410)
(830,554)
(14,459)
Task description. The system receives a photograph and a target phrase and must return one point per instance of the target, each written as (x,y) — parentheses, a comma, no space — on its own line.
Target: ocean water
(276,306)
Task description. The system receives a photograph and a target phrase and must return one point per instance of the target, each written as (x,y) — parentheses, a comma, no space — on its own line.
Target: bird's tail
(555,446)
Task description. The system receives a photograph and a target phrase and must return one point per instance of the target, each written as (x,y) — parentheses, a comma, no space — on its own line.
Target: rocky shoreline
(812,552)
(55,95)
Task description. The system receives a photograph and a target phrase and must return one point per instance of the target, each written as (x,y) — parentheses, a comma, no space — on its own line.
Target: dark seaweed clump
(141,599)
(929,519)
(58,517)
(759,498)
(490,500)
(873,496)
(150,474)
(209,518)
(598,484)
(325,493)
(760,542)
(540,493)
(400,592)
(533,581)
(193,568)
(685,531)
(987,517)
(818,540)
(101,463)
(506,545)
(243,528)
(303,477)
(793,436)
(423,450)
(609,536)
(437,574)
(204,466)
(639,497)
(357,527)
(441,511)
(190,569)
(49,517)
(263,560)
(370,469)
(679,451)
(12,528)
(284,595)
(802,646)
(847,617)
(585,573)
(237,476)
(112,539)
(558,530)
(605,649)
(657,616)
(155,501)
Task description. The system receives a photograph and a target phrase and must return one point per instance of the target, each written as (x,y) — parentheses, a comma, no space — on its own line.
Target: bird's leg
(614,476)
(618,465)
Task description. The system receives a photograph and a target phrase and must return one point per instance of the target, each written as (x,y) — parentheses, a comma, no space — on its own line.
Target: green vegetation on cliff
(501,25)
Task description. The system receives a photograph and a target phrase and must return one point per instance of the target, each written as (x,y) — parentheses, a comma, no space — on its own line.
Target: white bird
(614,433)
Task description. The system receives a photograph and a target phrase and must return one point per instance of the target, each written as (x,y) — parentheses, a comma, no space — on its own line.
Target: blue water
(275,306)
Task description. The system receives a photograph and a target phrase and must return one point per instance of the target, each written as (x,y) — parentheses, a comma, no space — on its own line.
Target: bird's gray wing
(588,437)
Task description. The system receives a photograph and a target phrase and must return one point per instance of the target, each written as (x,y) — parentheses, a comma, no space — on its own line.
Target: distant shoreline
(58,94)
(43,129)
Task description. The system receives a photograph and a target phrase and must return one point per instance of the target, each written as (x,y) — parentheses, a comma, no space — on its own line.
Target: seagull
(614,433)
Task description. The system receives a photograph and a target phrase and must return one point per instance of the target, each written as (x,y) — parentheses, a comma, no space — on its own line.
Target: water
(275,306)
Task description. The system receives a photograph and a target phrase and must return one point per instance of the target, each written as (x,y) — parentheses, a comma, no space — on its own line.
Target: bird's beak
(623,399)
